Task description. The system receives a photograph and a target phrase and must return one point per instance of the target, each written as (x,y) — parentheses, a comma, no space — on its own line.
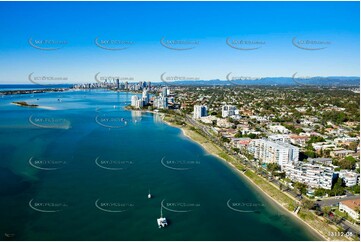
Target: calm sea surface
(80,167)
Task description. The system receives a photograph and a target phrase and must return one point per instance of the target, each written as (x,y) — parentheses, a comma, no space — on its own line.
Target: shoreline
(32,91)
(251,182)
(254,184)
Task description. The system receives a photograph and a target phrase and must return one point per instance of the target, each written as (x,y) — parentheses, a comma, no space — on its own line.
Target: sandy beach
(214,150)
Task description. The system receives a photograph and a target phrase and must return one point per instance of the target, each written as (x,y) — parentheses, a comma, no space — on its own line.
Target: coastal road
(349,227)
(335,201)
(243,160)
(346,225)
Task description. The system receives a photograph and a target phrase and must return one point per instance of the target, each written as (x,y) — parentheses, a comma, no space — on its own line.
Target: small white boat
(162,222)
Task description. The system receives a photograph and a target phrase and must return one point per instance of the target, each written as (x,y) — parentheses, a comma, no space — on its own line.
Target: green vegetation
(337,190)
(286,201)
(347,163)
(25,104)
(354,189)
(300,188)
(318,110)
(252,136)
(273,167)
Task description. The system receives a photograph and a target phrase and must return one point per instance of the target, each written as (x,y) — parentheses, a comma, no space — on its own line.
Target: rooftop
(352,203)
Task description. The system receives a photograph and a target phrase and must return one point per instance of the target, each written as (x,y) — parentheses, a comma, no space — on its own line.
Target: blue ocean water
(80,166)
(5,87)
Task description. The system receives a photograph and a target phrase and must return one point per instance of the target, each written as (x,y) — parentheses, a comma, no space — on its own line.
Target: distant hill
(279,81)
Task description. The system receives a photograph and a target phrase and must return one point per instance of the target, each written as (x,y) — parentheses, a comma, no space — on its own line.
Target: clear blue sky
(210,23)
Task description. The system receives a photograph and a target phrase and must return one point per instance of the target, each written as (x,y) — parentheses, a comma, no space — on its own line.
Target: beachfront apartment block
(199,111)
(349,178)
(145,96)
(268,151)
(139,103)
(134,100)
(160,102)
(351,207)
(313,175)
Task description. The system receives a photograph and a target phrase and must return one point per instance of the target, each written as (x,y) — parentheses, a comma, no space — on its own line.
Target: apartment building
(199,111)
(349,178)
(268,151)
(313,175)
(350,207)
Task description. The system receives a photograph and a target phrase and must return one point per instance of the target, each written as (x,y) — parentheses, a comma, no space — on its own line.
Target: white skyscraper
(165,102)
(139,103)
(165,91)
(134,100)
(145,96)
(199,111)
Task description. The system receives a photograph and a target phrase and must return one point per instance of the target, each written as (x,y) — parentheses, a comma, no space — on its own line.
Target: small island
(25,104)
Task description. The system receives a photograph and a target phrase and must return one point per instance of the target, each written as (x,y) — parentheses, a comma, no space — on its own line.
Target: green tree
(337,189)
(273,167)
(300,188)
(308,204)
(355,189)
(238,135)
(320,192)
(315,139)
(347,163)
